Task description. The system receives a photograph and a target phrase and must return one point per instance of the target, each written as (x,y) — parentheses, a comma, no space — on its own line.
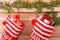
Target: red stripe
(44,26)
(43,30)
(42,39)
(42,34)
(31,39)
(7,33)
(14,24)
(12,27)
(35,36)
(38,36)
(11,31)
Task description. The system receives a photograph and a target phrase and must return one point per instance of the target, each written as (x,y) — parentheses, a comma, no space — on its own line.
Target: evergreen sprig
(54,18)
(38,5)
(6,6)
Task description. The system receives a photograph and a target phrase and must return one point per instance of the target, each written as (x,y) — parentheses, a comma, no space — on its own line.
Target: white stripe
(44,23)
(43,28)
(12,29)
(40,17)
(36,38)
(39,35)
(9,32)
(41,32)
(13,26)
(14,23)
(32,34)
(30,39)
(10,38)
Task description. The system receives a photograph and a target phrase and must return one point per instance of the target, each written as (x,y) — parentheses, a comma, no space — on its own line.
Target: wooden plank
(27,37)
(56,9)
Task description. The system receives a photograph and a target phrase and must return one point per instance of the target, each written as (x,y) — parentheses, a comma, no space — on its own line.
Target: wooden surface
(26,18)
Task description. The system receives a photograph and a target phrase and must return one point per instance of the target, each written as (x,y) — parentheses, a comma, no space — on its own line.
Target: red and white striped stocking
(12,28)
(42,28)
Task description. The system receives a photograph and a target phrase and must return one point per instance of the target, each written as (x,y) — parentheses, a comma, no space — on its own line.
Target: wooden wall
(26,17)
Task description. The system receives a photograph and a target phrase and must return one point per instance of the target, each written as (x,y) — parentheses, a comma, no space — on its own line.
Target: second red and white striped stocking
(12,28)
(42,28)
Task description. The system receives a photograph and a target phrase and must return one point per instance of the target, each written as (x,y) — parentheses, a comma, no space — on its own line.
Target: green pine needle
(38,5)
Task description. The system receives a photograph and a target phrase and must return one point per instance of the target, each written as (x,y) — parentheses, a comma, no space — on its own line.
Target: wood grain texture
(26,18)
